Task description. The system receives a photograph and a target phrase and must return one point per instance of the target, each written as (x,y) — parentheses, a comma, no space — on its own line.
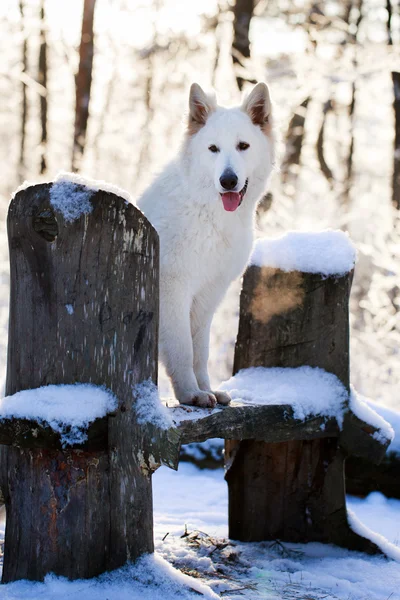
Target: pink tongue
(231,200)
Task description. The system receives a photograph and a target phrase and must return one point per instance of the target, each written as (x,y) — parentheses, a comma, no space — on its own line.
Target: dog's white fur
(202,246)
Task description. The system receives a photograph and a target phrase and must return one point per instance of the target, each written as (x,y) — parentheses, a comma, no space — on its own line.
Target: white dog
(203,207)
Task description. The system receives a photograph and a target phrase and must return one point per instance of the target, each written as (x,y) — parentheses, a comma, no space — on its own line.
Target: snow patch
(94,185)
(148,406)
(183,412)
(309,390)
(366,413)
(72,200)
(70,309)
(71,194)
(67,409)
(387,547)
(329,252)
(389,416)
(149,578)
(273,570)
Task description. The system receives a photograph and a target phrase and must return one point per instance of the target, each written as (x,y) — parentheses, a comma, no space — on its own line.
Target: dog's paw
(222,398)
(202,399)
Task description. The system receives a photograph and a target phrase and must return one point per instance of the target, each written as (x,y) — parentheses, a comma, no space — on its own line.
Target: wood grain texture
(274,423)
(26,433)
(293,490)
(77,513)
(294,319)
(105,266)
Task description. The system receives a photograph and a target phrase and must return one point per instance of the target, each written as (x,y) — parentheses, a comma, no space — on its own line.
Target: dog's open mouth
(232,200)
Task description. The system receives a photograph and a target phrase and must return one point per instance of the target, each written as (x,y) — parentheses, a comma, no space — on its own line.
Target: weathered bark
(266,423)
(83,83)
(77,513)
(396,162)
(292,490)
(293,319)
(43,81)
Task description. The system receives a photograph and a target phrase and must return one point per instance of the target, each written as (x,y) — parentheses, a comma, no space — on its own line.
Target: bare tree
(389,22)
(326,170)
(83,82)
(396,165)
(42,78)
(294,141)
(243,12)
(24,112)
(353,20)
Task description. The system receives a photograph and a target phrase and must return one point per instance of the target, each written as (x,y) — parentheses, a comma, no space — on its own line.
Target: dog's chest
(214,248)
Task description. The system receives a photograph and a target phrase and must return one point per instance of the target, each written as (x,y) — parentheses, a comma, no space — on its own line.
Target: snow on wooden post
(83,308)
(294,312)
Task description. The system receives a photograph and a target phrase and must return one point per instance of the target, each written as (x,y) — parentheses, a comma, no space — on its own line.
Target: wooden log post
(83,308)
(292,490)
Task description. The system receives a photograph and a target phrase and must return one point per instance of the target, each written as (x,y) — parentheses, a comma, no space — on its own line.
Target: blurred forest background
(100,87)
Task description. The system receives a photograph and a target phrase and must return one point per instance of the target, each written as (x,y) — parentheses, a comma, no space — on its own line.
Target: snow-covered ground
(191,535)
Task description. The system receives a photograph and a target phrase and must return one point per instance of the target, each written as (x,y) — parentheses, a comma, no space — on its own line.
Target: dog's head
(231,149)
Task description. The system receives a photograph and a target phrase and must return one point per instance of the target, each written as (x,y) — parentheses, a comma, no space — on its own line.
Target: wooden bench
(82,510)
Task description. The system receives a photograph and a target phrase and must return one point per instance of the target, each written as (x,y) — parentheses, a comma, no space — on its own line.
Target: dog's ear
(200,107)
(258,106)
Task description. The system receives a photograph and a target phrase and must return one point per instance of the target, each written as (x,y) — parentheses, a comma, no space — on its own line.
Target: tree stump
(83,308)
(292,490)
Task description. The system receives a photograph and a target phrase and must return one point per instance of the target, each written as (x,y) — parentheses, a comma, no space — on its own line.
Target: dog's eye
(243,146)
(213,148)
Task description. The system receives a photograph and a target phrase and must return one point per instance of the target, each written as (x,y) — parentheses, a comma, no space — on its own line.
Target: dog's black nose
(228,180)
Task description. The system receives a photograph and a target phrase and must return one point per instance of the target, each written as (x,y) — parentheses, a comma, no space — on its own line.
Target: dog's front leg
(203,308)
(176,348)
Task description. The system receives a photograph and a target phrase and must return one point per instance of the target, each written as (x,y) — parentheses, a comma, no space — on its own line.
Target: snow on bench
(383,420)
(278,404)
(70,193)
(67,409)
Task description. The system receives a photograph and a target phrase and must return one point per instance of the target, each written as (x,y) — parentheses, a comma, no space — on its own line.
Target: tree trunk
(43,81)
(83,83)
(72,512)
(242,12)
(24,110)
(291,490)
(396,162)
(294,141)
